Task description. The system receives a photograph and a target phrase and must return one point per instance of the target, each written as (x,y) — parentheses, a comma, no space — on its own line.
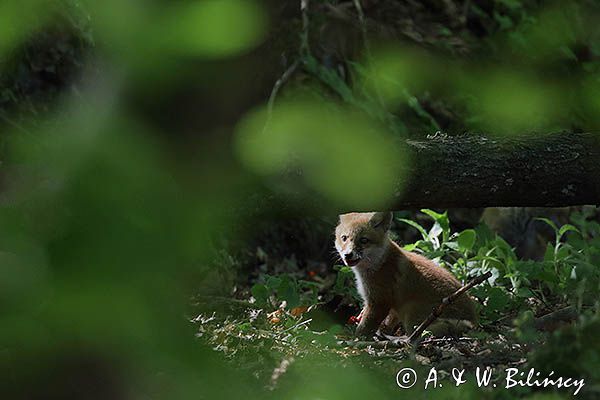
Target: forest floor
(294,310)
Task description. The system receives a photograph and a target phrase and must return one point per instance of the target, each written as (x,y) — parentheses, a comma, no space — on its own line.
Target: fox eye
(344,238)
(364,240)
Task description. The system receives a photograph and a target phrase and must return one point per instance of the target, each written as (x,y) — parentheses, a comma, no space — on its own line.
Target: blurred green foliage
(102,244)
(215,28)
(340,154)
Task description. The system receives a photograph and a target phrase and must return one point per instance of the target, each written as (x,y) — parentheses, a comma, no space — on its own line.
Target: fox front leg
(371,317)
(391,323)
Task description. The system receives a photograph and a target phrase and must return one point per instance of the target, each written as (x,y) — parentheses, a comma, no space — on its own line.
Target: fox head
(362,237)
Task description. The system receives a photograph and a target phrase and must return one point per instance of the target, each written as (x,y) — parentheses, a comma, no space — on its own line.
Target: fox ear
(344,217)
(381,220)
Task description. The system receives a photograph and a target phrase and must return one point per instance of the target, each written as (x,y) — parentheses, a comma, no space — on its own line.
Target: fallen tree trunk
(469,171)
(473,171)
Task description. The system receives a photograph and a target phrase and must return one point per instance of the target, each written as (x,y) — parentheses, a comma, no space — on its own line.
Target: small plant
(344,284)
(566,274)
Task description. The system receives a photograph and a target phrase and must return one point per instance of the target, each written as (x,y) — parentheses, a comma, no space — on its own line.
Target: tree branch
(473,171)
(445,302)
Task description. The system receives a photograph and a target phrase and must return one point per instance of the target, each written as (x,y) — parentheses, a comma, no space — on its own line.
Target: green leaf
(415,225)
(567,228)
(346,270)
(549,254)
(498,299)
(524,292)
(435,231)
(273,282)
(288,291)
(453,246)
(260,293)
(484,234)
(441,219)
(410,247)
(563,252)
(547,221)
(436,216)
(466,239)
(244,327)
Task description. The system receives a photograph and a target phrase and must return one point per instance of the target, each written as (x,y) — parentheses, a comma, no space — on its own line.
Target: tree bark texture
(555,170)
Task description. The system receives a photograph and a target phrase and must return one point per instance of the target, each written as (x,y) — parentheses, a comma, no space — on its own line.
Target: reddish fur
(397,285)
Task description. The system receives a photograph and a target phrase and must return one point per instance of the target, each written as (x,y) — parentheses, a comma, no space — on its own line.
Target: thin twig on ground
(382,344)
(445,302)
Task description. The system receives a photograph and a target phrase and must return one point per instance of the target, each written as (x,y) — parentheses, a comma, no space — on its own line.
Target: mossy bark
(561,169)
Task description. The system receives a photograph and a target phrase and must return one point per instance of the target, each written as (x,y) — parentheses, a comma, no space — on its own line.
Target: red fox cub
(397,286)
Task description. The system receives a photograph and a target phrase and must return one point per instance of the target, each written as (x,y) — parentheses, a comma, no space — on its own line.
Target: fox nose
(349,256)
